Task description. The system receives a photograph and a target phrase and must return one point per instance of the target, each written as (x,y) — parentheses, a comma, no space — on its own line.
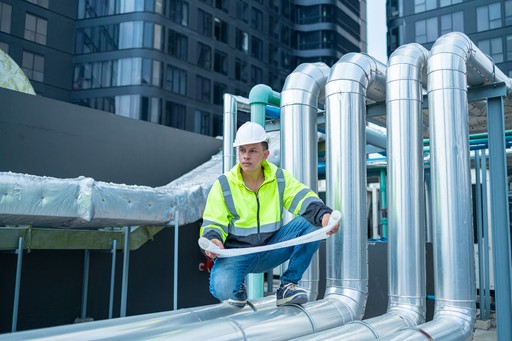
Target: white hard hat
(250,133)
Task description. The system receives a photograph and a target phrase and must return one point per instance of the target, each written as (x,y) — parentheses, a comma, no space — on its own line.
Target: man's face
(251,156)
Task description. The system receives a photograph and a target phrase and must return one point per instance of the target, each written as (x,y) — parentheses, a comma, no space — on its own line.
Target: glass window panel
(432,33)
(508,13)
(509,47)
(157,73)
(157,42)
(482,18)
(495,15)
(5,18)
(420,32)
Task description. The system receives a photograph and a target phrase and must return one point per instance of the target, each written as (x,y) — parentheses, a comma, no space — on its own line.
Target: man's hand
(325,221)
(211,254)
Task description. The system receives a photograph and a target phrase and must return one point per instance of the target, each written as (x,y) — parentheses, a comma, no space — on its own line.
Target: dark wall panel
(45,137)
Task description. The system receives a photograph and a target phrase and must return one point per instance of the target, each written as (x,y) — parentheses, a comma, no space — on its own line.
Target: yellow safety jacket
(242,218)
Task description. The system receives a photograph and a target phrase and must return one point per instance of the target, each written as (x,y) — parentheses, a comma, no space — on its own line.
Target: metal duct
(352,78)
(134,327)
(406,246)
(454,63)
(302,90)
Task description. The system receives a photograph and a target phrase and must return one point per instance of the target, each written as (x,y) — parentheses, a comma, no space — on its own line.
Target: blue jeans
(228,274)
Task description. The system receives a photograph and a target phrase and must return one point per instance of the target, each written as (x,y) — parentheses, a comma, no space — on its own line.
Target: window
(257,48)
(5,18)
(176,80)
(285,35)
(220,30)
(424,5)
(178,12)
(220,63)
(242,40)
(424,35)
(256,75)
(35,29)
(203,91)
(33,66)
(452,22)
(508,12)
(202,122)
(42,3)
(218,92)
(509,47)
(151,72)
(273,27)
(488,17)
(177,45)
(204,56)
(128,106)
(493,48)
(223,5)
(152,36)
(242,10)
(444,3)
(273,55)
(257,19)
(175,115)
(240,70)
(204,23)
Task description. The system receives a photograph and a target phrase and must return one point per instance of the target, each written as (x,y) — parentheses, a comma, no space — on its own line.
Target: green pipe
(383,204)
(259,96)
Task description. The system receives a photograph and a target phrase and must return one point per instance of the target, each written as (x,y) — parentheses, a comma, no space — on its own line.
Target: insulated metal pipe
(302,91)
(450,69)
(406,246)
(352,78)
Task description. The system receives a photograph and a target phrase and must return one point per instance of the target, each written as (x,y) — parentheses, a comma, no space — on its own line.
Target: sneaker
(240,299)
(237,303)
(291,293)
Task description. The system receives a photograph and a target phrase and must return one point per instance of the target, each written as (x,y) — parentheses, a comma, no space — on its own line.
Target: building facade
(488,23)
(170,61)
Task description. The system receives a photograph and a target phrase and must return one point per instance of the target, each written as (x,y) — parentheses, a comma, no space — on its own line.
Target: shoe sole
(239,304)
(295,299)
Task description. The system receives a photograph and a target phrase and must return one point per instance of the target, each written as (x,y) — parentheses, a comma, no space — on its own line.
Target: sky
(376,19)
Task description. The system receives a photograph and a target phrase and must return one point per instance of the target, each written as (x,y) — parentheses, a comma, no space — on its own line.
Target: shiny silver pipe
(454,63)
(231,106)
(406,246)
(352,79)
(140,325)
(302,91)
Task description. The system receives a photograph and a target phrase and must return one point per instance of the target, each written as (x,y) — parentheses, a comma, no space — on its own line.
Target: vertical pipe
(481,250)
(85,283)
(500,218)
(302,91)
(126,263)
(486,237)
(112,279)
(19,251)
(175,277)
(383,204)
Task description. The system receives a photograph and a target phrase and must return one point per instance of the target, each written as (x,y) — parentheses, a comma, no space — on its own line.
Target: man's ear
(266,153)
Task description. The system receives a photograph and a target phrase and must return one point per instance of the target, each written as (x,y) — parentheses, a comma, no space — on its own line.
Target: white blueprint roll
(319,234)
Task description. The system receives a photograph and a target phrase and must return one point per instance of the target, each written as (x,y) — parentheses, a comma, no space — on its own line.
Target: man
(245,209)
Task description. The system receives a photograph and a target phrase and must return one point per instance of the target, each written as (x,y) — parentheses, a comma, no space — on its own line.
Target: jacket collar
(269,170)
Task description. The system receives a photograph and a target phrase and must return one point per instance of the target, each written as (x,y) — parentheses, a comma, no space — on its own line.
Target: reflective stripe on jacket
(243,218)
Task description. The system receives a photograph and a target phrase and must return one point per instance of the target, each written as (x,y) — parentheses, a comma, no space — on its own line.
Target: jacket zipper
(258,216)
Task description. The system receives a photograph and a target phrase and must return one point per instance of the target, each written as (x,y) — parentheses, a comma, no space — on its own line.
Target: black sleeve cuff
(315,211)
